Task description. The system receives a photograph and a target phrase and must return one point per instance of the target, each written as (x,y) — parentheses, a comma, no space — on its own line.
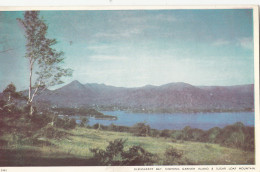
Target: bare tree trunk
(30,90)
(31,109)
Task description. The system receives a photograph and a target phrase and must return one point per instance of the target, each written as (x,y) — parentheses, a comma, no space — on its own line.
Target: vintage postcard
(129,88)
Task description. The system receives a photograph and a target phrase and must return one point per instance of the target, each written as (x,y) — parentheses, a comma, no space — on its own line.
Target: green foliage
(71,124)
(155,133)
(10,93)
(110,156)
(10,89)
(165,133)
(238,136)
(136,155)
(83,121)
(8,105)
(65,123)
(114,154)
(96,126)
(40,120)
(117,128)
(51,132)
(29,129)
(24,128)
(211,135)
(140,129)
(82,111)
(172,156)
(40,52)
(41,56)
(9,110)
(74,150)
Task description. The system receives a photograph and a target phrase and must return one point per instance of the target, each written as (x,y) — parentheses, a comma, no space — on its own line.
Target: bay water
(176,121)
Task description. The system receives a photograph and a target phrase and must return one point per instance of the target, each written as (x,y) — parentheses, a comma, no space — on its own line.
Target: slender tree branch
(33,61)
(9,104)
(42,90)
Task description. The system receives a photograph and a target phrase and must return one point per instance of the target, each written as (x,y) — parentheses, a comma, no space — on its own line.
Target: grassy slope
(75,150)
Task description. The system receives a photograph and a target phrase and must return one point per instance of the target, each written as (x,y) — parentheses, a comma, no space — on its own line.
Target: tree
(140,129)
(9,91)
(84,121)
(44,61)
(10,95)
(165,133)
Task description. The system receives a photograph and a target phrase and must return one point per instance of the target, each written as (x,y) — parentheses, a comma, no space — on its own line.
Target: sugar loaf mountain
(169,98)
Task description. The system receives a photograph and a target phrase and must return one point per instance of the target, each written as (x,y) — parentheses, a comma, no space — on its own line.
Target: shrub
(40,121)
(65,123)
(140,129)
(191,134)
(59,122)
(238,136)
(118,128)
(165,133)
(72,124)
(173,153)
(172,156)
(111,155)
(83,122)
(154,133)
(114,154)
(136,155)
(50,132)
(249,144)
(96,126)
(112,127)
(211,135)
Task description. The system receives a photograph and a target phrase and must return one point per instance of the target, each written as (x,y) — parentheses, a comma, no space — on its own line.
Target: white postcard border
(176,168)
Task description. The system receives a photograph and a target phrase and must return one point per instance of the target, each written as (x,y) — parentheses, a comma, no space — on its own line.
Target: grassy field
(74,149)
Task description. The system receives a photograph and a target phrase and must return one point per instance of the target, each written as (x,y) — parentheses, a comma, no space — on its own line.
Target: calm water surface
(203,121)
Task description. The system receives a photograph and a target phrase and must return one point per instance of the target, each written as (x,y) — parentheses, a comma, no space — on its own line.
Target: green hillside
(75,150)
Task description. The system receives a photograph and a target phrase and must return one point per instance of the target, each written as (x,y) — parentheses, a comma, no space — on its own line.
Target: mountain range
(168,98)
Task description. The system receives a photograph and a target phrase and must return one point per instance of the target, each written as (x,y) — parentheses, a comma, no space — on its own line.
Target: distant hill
(168,98)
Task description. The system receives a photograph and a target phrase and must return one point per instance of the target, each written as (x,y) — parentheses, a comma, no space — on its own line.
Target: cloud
(134,26)
(246,43)
(221,42)
(107,58)
(147,19)
(99,47)
(166,18)
(133,19)
(120,34)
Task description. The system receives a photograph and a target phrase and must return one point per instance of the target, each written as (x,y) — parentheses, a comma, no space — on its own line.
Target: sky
(133,48)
